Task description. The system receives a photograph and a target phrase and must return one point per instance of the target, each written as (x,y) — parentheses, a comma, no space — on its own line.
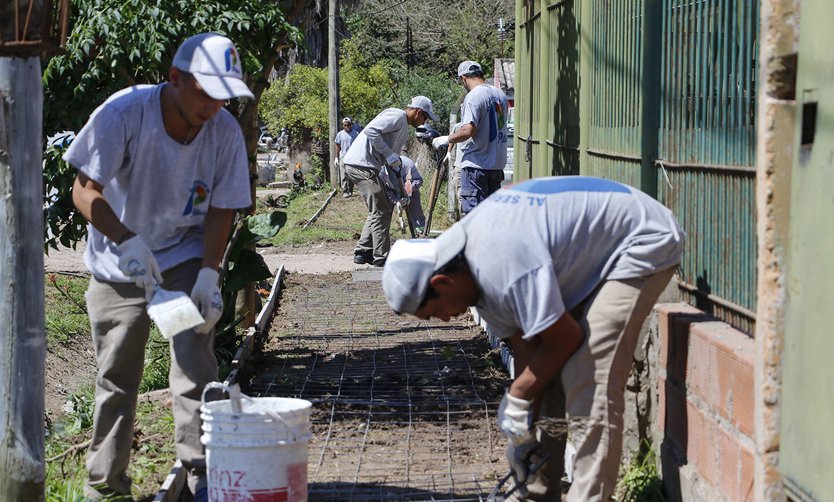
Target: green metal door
(807,411)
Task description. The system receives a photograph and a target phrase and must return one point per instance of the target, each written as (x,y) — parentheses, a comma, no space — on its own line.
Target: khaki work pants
(375,238)
(120,328)
(591,392)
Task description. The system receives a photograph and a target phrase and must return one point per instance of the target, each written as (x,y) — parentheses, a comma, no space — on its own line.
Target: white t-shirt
(539,248)
(383,137)
(485,107)
(159,188)
(344,139)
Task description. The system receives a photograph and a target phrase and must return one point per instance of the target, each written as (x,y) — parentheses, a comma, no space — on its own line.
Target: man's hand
(440,142)
(137,262)
(336,163)
(206,296)
(394,161)
(520,458)
(515,418)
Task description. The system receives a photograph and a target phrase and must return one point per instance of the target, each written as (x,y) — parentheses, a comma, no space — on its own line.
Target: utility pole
(333,87)
(22,332)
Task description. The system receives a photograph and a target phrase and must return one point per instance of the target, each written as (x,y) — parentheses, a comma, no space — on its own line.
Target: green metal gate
(661,95)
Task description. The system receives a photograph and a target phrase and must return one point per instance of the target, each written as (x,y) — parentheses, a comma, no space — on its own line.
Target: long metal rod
(717,300)
(705,167)
(321,209)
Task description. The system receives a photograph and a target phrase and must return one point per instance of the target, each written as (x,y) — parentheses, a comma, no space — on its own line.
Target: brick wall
(705,393)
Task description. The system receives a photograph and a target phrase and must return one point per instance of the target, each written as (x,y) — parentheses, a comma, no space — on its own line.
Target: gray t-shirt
(538,248)
(159,188)
(485,107)
(383,137)
(344,139)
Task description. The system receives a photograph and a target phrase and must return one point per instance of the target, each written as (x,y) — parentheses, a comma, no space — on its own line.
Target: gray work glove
(515,420)
(137,262)
(206,296)
(393,161)
(440,142)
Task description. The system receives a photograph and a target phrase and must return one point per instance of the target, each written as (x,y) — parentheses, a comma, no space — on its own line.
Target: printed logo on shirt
(199,194)
(232,61)
(496,121)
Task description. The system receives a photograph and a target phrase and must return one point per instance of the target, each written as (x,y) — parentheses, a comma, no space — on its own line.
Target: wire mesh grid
(403,409)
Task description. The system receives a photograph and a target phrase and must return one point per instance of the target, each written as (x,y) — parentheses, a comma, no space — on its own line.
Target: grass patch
(639,481)
(65,308)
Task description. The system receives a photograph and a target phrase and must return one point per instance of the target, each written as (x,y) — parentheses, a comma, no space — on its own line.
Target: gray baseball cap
(423,103)
(411,263)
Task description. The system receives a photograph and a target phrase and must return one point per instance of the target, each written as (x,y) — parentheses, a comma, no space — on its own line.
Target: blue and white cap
(215,63)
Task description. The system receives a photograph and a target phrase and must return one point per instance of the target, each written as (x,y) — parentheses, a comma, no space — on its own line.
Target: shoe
(347,194)
(361,259)
(379,263)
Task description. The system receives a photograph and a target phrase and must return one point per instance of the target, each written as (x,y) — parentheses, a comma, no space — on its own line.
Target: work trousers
(476,185)
(344,180)
(375,239)
(120,329)
(591,391)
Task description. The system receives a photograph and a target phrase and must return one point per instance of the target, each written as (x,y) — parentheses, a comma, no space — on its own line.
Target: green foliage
(441,89)
(65,310)
(640,481)
(64,225)
(299,102)
(79,411)
(443,33)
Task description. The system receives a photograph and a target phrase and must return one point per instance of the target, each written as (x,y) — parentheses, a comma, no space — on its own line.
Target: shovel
(173,311)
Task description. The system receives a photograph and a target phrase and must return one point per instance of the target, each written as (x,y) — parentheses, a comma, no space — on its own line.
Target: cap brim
(449,244)
(223,87)
(432,116)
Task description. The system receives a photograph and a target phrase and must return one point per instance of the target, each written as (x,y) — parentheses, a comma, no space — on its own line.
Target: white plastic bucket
(256,448)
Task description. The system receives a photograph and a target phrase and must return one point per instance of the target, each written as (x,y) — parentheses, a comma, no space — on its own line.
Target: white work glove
(206,296)
(336,163)
(515,420)
(137,262)
(440,142)
(394,161)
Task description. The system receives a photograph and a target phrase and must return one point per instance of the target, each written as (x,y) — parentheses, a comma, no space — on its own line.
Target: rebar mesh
(403,409)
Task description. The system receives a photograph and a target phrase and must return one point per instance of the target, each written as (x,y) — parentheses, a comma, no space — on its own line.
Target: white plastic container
(256,448)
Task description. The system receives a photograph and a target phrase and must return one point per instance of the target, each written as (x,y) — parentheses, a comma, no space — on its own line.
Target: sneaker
(347,194)
(379,263)
(361,259)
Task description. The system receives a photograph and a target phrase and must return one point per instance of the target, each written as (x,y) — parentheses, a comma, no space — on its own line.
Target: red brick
(720,371)
(736,467)
(701,450)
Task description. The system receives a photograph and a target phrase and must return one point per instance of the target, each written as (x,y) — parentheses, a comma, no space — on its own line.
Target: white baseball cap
(411,263)
(468,67)
(215,63)
(423,103)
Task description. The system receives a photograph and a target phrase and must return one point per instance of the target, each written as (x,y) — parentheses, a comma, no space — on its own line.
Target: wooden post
(22,332)
(333,87)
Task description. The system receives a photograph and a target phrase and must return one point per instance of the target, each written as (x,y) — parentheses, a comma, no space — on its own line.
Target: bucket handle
(235,396)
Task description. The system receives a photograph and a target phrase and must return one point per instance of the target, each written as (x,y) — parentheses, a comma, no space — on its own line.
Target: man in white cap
(161,171)
(482,135)
(564,270)
(376,148)
(343,140)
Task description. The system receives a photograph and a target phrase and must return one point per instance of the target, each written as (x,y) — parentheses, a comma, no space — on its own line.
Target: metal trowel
(173,312)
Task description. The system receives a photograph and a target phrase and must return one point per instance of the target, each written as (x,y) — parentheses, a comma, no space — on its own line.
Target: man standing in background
(378,146)
(482,134)
(343,140)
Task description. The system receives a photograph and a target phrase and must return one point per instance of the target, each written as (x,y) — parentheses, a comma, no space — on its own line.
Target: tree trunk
(22,335)
(333,87)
